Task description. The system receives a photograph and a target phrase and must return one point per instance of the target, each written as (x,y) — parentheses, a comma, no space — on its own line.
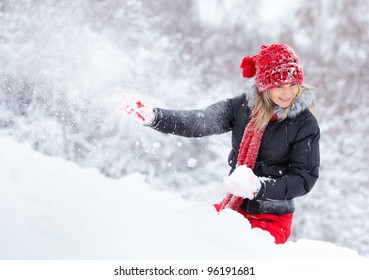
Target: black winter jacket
(288,160)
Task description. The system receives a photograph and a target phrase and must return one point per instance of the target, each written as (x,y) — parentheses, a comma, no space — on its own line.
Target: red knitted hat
(275,65)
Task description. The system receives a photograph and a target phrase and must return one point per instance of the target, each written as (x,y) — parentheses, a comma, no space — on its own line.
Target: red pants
(277,226)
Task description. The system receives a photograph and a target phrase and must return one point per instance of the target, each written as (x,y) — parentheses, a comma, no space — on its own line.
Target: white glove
(132,105)
(242,182)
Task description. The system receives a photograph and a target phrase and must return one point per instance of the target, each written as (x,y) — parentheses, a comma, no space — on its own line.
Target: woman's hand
(133,106)
(242,182)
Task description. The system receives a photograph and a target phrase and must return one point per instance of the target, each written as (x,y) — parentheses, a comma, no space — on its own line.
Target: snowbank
(53,209)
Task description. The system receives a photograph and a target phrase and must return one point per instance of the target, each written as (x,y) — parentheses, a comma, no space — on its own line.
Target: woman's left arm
(303,169)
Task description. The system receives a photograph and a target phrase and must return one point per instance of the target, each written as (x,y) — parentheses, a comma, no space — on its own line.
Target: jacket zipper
(309,153)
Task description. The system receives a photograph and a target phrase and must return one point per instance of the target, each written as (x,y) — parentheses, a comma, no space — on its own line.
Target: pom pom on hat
(275,65)
(248,67)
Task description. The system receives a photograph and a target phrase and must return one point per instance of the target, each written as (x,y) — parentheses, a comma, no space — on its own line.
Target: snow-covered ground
(53,209)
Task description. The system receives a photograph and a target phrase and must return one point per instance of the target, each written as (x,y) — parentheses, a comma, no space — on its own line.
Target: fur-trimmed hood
(304,101)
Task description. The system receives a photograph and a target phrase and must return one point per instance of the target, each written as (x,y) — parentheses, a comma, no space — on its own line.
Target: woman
(275,138)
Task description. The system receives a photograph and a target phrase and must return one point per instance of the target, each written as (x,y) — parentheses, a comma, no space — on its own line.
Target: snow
(235,183)
(65,64)
(52,209)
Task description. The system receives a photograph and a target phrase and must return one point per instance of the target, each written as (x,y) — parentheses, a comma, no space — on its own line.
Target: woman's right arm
(215,119)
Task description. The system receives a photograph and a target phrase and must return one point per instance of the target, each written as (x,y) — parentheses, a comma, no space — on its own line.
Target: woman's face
(284,95)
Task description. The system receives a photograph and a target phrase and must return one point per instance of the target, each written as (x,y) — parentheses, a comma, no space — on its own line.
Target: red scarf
(249,150)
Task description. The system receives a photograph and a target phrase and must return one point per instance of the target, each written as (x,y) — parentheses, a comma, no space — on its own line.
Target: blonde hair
(264,108)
